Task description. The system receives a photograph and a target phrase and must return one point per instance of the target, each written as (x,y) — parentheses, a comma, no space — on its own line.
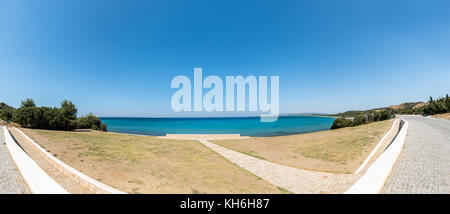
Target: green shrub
(90,121)
(103,127)
(371,116)
(341,123)
(360,119)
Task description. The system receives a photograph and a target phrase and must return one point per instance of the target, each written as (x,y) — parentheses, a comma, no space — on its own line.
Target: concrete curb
(37,180)
(84,180)
(372,182)
(375,149)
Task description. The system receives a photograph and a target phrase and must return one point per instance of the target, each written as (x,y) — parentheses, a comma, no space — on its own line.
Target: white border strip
(78,176)
(373,180)
(37,180)
(364,163)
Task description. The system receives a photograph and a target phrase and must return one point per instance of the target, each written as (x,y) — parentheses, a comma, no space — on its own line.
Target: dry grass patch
(442,116)
(146,164)
(340,151)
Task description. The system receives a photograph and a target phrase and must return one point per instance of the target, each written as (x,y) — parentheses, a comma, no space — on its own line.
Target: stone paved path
(424,164)
(292,179)
(11,181)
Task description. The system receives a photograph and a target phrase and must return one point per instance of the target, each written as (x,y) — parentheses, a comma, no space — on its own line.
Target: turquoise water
(246,126)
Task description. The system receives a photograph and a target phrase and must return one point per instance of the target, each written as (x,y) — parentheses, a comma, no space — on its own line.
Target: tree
(440,106)
(68,115)
(447,102)
(430,109)
(6,113)
(57,119)
(24,116)
(28,103)
(69,110)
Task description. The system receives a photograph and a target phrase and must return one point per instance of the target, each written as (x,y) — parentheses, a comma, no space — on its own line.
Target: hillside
(408,105)
(403,106)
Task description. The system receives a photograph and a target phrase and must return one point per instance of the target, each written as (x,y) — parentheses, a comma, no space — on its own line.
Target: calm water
(246,126)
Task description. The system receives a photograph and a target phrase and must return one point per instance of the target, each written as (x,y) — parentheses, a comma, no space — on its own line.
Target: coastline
(217,134)
(95,155)
(218,117)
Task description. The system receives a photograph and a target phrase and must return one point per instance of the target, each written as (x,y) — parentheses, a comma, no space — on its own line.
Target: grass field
(340,150)
(145,164)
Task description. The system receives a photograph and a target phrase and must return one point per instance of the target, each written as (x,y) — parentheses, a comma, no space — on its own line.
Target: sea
(245,126)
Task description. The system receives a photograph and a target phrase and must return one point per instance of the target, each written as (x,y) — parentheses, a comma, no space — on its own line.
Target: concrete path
(424,164)
(11,181)
(292,179)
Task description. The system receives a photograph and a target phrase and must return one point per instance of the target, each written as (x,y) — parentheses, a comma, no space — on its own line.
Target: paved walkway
(11,181)
(424,164)
(289,178)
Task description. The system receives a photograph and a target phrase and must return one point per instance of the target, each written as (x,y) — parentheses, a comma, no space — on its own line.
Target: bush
(360,119)
(90,121)
(341,123)
(103,127)
(386,114)
(371,116)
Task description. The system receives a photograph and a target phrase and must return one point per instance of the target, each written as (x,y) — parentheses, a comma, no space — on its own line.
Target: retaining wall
(373,181)
(37,180)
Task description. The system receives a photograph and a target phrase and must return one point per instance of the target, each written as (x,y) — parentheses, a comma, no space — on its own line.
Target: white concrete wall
(375,149)
(37,180)
(372,182)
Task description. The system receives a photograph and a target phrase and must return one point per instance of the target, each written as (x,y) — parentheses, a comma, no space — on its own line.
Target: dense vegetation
(62,118)
(439,106)
(364,117)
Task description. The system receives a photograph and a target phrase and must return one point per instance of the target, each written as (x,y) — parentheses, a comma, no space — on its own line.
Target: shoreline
(216,134)
(310,115)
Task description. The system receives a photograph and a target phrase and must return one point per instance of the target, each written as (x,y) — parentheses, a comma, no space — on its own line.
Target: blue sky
(117,58)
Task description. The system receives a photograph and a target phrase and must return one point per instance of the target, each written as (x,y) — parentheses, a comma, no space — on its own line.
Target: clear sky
(117,58)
